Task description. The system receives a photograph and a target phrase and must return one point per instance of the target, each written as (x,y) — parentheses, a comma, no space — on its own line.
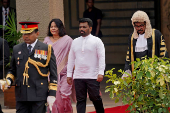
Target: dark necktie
(29,48)
(6,16)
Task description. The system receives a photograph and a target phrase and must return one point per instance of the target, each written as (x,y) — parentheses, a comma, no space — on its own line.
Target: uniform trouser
(0,109)
(82,86)
(30,107)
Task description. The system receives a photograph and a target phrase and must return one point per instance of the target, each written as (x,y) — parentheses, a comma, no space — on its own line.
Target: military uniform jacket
(38,86)
(156,46)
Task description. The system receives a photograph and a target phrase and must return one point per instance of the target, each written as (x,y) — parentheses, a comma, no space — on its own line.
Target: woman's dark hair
(60,26)
(88,20)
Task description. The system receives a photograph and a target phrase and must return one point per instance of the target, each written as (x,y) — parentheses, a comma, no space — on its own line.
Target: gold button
(18,58)
(28,86)
(41,83)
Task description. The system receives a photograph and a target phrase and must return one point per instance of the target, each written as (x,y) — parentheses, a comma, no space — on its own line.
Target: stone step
(120,22)
(115,58)
(116,49)
(125,5)
(117,31)
(117,40)
(127,13)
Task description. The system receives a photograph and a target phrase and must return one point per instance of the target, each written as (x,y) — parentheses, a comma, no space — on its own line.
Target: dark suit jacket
(37,88)
(1,18)
(6,55)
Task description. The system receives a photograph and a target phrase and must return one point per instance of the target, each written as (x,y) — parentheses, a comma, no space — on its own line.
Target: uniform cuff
(10,77)
(52,93)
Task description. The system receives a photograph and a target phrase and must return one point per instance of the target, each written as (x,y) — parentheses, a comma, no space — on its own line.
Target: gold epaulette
(36,64)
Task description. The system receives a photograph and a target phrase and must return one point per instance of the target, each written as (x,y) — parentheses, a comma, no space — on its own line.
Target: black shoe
(0,109)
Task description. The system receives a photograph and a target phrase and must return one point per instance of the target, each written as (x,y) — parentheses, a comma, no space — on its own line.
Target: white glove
(50,101)
(125,75)
(4,84)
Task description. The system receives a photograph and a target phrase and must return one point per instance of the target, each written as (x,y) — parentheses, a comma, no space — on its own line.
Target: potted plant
(146,90)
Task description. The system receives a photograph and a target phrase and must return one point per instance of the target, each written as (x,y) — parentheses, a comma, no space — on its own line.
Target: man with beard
(144,41)
(87,55)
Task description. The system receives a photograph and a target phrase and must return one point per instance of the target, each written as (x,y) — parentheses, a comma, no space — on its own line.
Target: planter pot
(9,98)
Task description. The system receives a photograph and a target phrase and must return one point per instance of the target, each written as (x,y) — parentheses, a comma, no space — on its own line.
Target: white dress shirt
(32,45)
(141,44)
(87,54)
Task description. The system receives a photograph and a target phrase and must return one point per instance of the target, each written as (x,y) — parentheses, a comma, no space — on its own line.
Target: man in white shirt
(87,55)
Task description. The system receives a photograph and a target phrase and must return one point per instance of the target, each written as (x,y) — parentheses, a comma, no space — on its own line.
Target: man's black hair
(36,30)
(3,0)
(88,0)
(88,20)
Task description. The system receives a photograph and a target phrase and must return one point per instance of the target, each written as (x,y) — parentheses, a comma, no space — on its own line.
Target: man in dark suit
(5,12)
(3,44)
(31,63)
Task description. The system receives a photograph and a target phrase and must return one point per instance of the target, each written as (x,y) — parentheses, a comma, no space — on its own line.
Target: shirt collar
(33,44)
(141,35)
(4,9)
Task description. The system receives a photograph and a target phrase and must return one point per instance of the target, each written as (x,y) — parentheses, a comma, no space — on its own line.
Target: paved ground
(105,96)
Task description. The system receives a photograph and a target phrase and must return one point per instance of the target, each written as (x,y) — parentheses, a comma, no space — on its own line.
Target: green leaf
(166,78)
(139,75)
(125,83)
(124,100)
(107,90)
(130,108)
(162,82)
(111,94)
(153,92)
(160,94)
(148,74)
(160,110)
(120,70)
(119,95)
(140,97)
(117,100)
(165,110)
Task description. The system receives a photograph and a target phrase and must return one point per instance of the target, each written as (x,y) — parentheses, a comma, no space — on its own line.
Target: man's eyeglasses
(141,26)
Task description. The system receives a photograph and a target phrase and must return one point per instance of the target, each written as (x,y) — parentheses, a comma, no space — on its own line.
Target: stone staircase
(117,26)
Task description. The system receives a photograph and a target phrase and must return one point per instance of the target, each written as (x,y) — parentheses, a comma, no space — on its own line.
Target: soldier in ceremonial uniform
(31,63)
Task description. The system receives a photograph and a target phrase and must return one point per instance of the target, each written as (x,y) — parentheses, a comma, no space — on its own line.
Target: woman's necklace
(54,39)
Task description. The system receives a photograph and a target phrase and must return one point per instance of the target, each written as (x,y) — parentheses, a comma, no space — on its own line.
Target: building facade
(116,23)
